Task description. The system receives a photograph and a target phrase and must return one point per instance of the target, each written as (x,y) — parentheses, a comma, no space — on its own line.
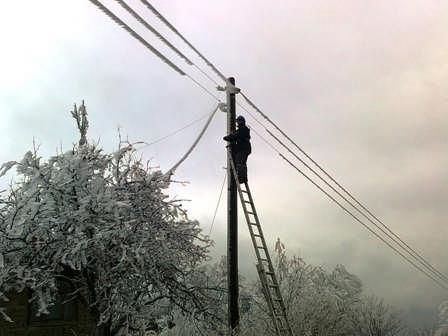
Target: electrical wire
(123,25)
(392,237)
(441,284)
(174,30)
(181,72)
(193,146)
(163,39)
(218,203)
(416,255)
(363,224)
(204,88)
(153,30)
(174,132)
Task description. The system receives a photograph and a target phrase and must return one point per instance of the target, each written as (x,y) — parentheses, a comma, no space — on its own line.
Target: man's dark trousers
(240,158)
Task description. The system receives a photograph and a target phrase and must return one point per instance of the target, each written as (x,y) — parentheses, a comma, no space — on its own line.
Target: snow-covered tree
(373,317)
(318,302)
(102,225)
(442,328)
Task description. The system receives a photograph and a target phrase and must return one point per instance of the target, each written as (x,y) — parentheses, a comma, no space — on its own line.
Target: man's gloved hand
(226,138)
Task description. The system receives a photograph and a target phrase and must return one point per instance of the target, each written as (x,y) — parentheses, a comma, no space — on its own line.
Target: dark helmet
(240,120)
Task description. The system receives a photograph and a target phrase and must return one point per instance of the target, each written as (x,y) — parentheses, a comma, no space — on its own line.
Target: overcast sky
(361,85)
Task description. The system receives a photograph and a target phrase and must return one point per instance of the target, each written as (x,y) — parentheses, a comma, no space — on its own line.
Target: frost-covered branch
(101,224)
(80,115)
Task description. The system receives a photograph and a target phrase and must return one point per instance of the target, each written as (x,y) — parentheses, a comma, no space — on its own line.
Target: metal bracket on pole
(223,107)
(230,88)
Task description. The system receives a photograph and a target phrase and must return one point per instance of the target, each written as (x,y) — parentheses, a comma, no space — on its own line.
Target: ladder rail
(279,318)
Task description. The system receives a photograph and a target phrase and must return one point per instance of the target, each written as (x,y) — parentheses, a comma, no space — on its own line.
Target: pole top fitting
(229,87)
(232,89)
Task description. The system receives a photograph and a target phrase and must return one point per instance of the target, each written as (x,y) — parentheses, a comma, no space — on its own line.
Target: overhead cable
(177,69)
(123,25)
(441,284)
(184,157)
(153,30)
(163,39)
(154,50)
(363,224)
(174,30)
(393,237)
(218,203)
(405,246)
(174,132)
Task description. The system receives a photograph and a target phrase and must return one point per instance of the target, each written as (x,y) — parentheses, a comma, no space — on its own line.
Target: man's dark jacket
(240,139)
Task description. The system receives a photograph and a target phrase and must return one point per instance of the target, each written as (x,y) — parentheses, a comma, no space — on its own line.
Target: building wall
(19,309)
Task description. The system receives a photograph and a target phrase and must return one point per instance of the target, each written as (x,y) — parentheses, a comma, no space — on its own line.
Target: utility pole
(232,219)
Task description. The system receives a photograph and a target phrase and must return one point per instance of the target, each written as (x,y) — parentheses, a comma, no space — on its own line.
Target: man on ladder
(241,148)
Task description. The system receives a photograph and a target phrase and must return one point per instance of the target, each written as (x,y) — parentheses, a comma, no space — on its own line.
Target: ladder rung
(264,266)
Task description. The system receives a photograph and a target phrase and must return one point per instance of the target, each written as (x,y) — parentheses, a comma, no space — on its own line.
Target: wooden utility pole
(232,219)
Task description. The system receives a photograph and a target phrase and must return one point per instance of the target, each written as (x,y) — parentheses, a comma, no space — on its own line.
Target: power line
(193,146)
(416,255)
(177,69)
(163,39)
(174,30)
(393,237)
(362,223)
(218,203)
(123,25)
(153,30)
(204,88)
(441,284)
(175,132)
(264,140)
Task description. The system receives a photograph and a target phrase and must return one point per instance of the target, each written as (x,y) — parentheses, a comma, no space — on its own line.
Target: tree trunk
(102,330)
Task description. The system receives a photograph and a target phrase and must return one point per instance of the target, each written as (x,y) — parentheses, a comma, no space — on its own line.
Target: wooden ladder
(266,272)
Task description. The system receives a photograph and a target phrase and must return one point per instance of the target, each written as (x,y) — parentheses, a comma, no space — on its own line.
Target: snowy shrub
(102,224)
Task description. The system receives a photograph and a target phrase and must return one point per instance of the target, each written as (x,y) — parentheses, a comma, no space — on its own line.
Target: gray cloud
(362,86)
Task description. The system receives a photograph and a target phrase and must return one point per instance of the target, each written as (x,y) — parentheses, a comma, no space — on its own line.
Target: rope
(183,158)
